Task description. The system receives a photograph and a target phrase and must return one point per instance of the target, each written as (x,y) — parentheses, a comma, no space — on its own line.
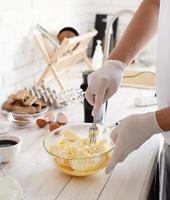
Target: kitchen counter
(41,180)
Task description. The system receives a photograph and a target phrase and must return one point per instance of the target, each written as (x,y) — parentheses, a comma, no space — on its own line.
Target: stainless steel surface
(108,31)
(93,132)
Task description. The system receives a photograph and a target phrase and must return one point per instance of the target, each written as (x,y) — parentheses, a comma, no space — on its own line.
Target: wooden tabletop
(41,180)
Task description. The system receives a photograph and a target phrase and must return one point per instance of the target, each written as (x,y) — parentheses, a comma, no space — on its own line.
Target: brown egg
(41,123)
(62,118)
(53,126)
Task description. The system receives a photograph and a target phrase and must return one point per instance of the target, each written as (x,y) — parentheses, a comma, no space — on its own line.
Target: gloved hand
(130,134)
(103,83)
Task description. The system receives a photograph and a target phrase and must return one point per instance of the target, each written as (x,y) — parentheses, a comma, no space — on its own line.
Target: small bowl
(86,165)
(9,148)
(20,120)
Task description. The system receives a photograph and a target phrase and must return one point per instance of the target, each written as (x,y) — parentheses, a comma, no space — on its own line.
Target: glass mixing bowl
(20,120)
(82,165)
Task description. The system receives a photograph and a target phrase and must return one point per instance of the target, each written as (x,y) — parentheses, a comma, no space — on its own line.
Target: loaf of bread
(19,109)
(21,95)
(24,109)
(30,101)
(11,99)
(23,102)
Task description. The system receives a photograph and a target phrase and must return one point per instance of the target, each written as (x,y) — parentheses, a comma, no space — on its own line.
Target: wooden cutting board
(139,79)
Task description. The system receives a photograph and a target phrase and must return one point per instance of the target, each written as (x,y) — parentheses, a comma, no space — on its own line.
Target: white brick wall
(20,60)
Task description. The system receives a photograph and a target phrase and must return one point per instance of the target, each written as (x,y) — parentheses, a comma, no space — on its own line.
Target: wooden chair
(71,51)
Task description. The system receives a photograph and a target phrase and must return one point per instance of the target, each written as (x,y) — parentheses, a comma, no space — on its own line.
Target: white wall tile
(20,58)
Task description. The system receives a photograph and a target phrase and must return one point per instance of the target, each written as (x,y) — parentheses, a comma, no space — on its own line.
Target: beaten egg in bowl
(73,154)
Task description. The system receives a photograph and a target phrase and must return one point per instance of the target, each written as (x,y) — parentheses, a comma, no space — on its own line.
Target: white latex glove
(103,83)
(130,134)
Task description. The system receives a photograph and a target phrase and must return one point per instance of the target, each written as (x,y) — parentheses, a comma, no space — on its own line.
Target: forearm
(163,118)
(139,32)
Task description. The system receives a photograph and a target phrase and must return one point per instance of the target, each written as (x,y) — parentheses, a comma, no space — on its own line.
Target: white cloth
(163,60)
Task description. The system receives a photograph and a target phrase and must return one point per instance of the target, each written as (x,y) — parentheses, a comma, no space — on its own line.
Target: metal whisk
(93,132)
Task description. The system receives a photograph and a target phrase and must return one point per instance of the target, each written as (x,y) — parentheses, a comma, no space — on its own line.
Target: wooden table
(42,181)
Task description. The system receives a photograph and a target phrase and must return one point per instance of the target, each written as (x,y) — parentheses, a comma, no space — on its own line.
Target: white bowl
(9,153)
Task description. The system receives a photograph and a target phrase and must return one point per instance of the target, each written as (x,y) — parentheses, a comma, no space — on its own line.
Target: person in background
(151,17)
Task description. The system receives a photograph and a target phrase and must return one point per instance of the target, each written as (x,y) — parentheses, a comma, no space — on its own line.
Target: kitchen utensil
(69,52)
(93,131)
(56,99)
(88,118)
